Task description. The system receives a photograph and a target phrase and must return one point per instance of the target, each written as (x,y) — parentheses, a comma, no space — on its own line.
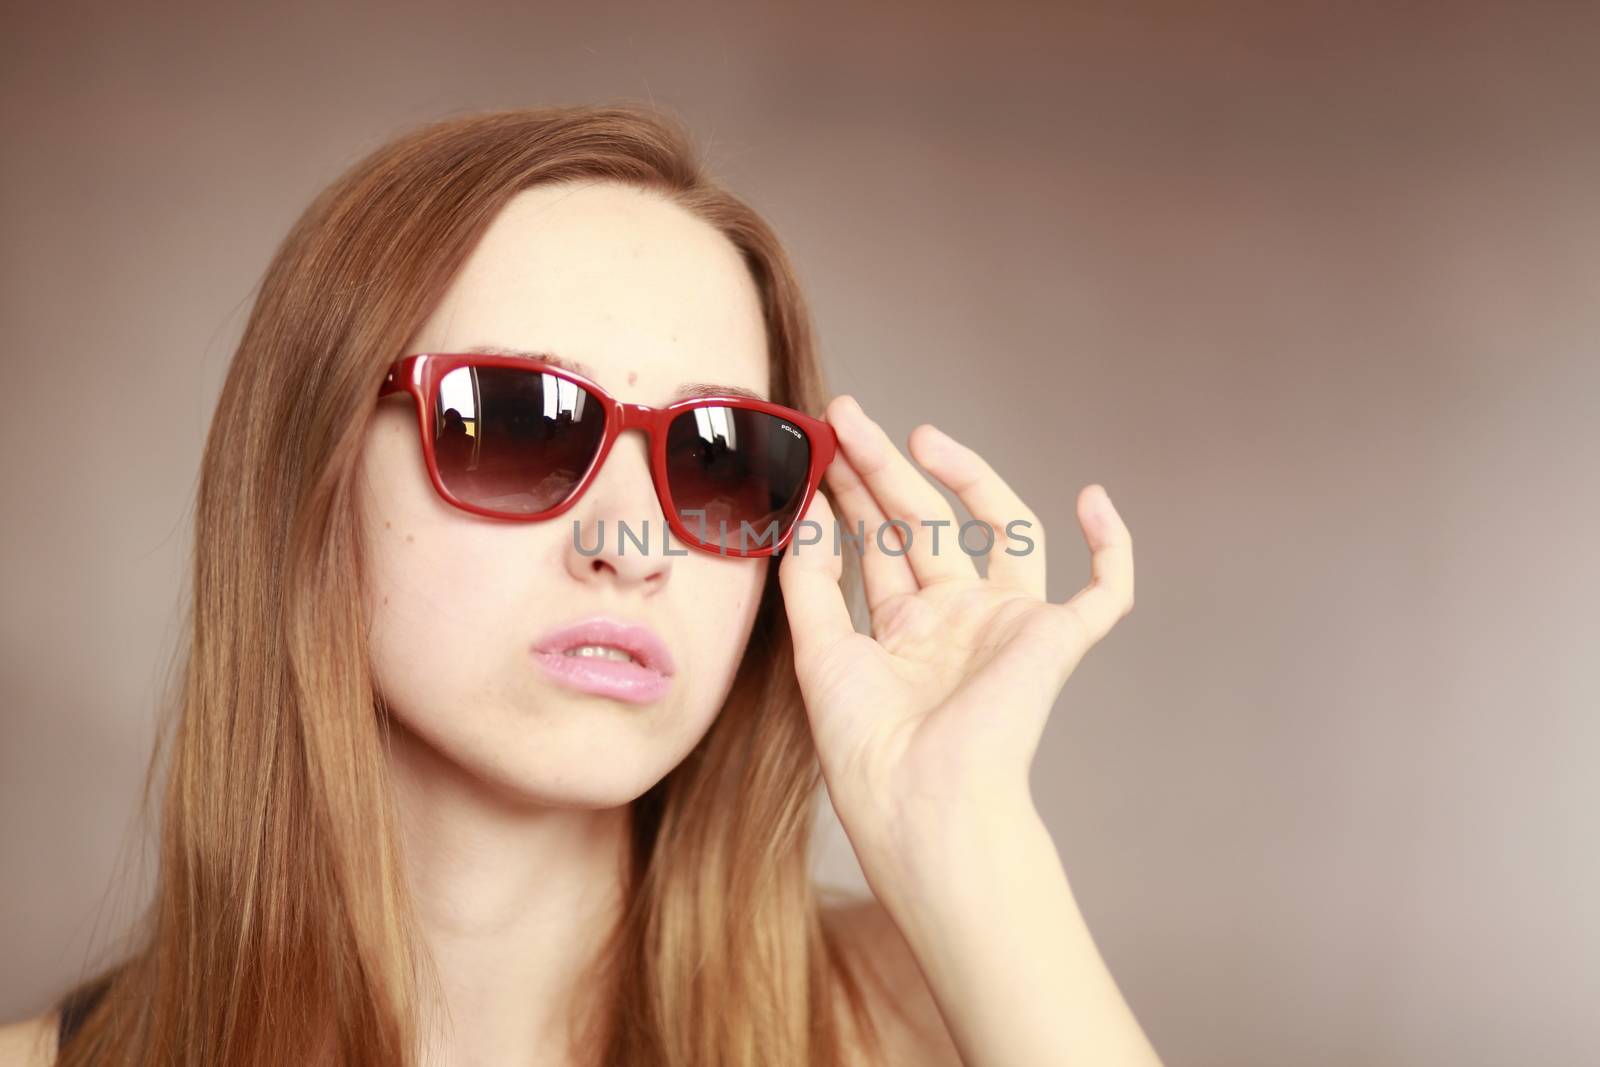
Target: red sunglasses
(509,437)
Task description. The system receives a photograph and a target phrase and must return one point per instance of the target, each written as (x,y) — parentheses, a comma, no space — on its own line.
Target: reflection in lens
(512,440)
(727,466)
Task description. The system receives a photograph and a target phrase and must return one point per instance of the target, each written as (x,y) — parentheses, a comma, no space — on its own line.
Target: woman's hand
(940,711)
(926,731)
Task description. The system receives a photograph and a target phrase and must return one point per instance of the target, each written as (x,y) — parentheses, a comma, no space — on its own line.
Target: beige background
(1314,296)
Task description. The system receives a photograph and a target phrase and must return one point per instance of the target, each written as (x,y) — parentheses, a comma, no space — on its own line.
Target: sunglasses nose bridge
(642,417)
(637,417)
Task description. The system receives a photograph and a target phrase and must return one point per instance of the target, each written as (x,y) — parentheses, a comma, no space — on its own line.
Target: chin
(600,791)
(595,772)
(590,761)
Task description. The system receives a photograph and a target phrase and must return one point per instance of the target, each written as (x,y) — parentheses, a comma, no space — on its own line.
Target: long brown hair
(281,930)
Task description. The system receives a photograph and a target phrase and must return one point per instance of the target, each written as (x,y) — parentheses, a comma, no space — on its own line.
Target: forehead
(647,299)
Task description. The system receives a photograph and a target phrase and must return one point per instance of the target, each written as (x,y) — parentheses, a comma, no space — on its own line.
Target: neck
(514,899)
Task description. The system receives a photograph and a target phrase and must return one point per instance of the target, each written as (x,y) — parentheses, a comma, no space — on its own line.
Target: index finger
(809,578)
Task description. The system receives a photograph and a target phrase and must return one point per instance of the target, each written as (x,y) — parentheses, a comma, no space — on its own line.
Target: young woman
(461,772)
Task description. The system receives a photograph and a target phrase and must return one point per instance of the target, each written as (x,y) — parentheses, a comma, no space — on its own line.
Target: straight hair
(281,930)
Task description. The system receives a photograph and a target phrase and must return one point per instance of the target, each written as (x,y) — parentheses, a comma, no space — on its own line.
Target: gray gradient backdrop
(1314,295)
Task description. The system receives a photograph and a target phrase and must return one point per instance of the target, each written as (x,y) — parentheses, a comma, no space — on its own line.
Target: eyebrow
(683,392)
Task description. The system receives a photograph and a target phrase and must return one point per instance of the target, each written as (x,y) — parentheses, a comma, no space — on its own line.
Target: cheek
(441,613)
(718,615)
(439,592)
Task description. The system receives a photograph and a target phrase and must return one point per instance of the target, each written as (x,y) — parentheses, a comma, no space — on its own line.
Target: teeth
(601,652)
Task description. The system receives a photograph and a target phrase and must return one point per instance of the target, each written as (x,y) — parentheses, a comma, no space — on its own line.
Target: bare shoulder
(29,1042)
(896,990)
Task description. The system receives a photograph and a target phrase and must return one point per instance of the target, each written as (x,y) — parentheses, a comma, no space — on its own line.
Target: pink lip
(638,683)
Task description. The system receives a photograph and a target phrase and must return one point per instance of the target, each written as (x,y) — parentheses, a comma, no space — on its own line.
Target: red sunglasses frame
(420,373)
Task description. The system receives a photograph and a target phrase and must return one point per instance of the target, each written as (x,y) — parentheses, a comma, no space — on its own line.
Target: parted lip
(637,640)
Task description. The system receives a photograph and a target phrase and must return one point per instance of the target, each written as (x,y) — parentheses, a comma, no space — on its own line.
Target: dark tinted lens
(513,440)
(728,466)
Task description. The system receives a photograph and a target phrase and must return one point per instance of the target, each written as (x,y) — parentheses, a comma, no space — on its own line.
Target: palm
(951,691)
(911,694)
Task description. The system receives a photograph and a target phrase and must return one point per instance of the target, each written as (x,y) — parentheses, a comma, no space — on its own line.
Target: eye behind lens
(736,473)
(512,440)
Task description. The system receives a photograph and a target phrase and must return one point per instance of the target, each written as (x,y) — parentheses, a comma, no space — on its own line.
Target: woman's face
(649,299)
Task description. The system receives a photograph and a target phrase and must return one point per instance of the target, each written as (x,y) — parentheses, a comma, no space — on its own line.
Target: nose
(622,493)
